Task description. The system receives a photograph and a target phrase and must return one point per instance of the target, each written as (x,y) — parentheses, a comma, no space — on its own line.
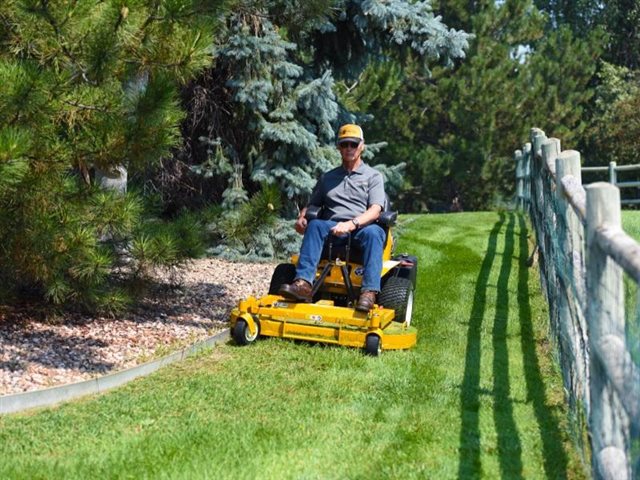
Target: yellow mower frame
(326,321)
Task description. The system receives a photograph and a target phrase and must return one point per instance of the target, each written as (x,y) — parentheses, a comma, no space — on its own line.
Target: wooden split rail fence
(612,171)
(583,254)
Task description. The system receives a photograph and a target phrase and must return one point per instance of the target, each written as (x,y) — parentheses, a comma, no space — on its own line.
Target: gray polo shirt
(345,195)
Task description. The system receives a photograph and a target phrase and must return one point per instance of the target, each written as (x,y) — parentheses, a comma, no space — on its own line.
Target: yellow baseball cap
(350,133)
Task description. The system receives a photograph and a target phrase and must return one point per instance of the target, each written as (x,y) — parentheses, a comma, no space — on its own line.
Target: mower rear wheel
(397,294)
(284,273)
(241,333)
(373,345)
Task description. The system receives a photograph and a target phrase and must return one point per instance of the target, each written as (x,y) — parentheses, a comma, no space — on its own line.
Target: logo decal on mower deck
(315,318)
(359,271)
(281,304)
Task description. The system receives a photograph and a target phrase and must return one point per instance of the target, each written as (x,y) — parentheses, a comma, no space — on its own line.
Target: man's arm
(315,199)
(370,216)
(301,222)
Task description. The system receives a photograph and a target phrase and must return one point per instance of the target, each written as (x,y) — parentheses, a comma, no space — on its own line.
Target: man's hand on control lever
(343,228)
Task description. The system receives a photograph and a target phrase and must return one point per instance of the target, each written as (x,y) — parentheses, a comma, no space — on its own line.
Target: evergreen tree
(614,132)
(88,86)
(282,82)
(618,19)
(367,30)
(287,119)
(581,16)
(622,23)
(616,24)
(457,128)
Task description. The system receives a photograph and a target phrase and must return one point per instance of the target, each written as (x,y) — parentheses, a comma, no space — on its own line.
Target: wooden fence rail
(583,253)
(612,170)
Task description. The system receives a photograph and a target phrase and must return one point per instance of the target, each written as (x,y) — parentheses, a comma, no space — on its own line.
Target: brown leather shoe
(299,290)
(366,301)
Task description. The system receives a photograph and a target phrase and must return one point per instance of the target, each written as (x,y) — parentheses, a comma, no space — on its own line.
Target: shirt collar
(359,170)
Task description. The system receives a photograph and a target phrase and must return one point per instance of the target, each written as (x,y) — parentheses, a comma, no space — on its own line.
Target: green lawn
(631,223)
(479,397)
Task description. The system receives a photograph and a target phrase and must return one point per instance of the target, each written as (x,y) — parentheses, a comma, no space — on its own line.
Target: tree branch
(85,107)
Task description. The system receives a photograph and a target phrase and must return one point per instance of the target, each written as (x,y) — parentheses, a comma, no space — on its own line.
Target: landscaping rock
(37,351)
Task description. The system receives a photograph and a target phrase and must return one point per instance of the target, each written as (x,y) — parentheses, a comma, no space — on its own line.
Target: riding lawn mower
(331,316)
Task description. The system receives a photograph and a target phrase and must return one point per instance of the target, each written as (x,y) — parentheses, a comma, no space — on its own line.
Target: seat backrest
(387,217)
(386,220)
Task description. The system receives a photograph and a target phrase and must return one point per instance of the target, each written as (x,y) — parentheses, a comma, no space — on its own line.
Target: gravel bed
(38,352)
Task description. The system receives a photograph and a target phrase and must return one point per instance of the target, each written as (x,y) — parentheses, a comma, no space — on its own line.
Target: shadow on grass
(469,464)
(508,439)
(555,457)
(509,446)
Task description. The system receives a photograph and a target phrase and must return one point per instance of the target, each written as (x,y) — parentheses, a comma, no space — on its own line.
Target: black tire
(241,333)
(397,294)
(284,273)
(373,345)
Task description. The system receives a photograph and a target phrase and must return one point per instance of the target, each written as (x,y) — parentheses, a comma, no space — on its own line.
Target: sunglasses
(349,145)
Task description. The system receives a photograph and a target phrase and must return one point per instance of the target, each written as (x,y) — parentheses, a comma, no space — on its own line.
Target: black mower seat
(339,247)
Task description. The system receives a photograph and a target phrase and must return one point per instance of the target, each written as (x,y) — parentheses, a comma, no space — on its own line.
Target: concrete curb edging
(50,396)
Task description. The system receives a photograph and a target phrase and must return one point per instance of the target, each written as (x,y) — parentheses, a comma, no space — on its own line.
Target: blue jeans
(370,238)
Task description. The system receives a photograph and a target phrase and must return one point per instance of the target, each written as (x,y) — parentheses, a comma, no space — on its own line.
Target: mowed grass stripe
(479,397)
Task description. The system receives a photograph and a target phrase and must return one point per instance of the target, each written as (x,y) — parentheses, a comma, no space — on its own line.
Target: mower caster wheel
(241,333)
(373,345)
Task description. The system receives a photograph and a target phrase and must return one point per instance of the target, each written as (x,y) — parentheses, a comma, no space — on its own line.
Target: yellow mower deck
(322,321)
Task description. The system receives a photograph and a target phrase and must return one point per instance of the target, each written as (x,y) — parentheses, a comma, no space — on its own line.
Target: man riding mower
(330,314)
(347,201)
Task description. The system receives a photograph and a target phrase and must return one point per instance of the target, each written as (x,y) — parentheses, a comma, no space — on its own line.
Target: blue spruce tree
(282,75)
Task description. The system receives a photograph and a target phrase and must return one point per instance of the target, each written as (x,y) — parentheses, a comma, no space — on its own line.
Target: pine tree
(619,20)
(622,23)
(615,129)
(87,86)
(456,128)
(283,78)
(612,125)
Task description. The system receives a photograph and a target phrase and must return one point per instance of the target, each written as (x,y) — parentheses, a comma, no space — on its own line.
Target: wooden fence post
(613,175)
(571,263)
(549,150)
(538,203)
(526,151)
(605,316)
(603,208)
(519,159)
(568,163)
